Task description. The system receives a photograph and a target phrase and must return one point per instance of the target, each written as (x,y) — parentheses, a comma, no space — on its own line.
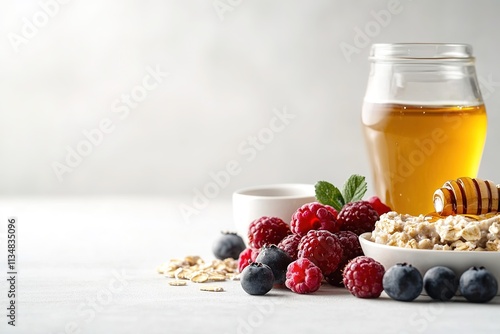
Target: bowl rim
(364,239)
(306,191)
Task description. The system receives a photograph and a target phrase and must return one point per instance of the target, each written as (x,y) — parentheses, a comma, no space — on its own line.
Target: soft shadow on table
(427,300)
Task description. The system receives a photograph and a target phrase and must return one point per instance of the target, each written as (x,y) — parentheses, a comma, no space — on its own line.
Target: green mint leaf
(328,194)
(354,188)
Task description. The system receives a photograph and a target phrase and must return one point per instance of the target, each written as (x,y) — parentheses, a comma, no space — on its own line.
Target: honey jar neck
(423,74)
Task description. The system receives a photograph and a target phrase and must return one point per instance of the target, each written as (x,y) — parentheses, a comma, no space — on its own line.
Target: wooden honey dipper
(467,195)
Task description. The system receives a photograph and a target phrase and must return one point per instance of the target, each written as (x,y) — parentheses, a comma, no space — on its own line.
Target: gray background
(227,73)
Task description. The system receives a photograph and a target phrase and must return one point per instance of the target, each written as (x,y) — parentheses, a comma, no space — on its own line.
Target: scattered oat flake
(170,274)
(233,276)
(177,283)
(198,271)
(212,288)
(200,278)
(216,277)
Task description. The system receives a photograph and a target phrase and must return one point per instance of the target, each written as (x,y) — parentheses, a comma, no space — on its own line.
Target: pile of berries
(317,244)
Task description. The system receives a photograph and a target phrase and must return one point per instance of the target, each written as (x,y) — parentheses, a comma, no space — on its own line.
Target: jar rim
(421,51)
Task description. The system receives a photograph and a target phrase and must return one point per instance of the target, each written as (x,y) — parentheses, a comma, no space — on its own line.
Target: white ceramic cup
(275,200)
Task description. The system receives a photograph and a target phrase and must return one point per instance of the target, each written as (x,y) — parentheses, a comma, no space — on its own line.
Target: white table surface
(87,265)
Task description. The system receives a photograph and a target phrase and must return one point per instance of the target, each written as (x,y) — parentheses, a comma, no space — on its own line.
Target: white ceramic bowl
(274,200)
(424,259)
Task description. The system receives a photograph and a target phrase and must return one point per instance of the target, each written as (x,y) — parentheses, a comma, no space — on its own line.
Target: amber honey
(414,149)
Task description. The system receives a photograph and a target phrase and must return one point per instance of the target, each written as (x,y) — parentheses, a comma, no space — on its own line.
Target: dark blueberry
(277,259)
(336,278)
(478,285)
(403,282)
(228,244)
(440,283)
(257,279)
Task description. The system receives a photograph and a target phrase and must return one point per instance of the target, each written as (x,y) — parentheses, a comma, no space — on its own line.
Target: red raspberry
(358,217)
(363,277)
(314,216)
(246,257)
(267,231)
(350,244)
(303,276)
(377,204)
(290,244)
(323,248)
(351,249)
(255,253)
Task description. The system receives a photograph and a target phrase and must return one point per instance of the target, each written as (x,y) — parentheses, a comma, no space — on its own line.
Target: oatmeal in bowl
(454,232)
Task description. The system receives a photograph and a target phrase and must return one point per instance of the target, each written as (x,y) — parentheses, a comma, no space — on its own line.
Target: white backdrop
(159,97)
